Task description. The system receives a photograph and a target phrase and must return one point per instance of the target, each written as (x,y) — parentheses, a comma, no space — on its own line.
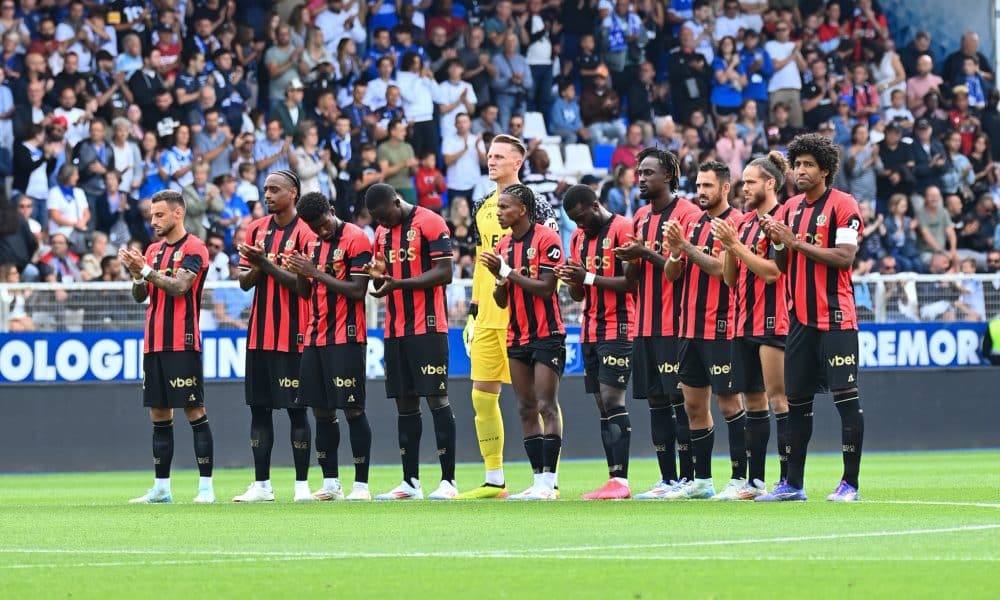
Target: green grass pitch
(929,526)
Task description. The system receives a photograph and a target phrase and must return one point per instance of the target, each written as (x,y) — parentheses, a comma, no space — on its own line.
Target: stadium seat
(580,160)
(602,156)
(534,126)
(556,164)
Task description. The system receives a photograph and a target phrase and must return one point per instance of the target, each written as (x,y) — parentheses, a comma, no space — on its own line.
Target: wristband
(779,247)
(146,270)
(138,281)
(589,278)
(505,270)
(674,259)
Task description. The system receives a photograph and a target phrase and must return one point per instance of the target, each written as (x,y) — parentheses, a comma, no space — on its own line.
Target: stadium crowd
(104,103)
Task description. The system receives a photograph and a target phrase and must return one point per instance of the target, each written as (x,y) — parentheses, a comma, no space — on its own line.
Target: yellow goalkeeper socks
(489,428)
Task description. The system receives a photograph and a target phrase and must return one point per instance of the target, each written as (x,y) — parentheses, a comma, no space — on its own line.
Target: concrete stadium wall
(93,427)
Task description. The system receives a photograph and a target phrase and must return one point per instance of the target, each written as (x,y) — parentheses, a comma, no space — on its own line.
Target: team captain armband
(847,236)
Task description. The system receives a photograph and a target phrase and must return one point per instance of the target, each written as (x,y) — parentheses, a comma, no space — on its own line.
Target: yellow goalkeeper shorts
(488,355)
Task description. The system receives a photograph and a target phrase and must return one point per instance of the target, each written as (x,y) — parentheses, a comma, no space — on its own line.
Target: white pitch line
(557,553)
(935,503)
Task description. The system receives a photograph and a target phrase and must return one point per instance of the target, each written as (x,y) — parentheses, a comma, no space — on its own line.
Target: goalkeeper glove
(470,329)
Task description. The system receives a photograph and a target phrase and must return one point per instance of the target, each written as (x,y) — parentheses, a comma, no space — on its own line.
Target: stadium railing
(85,307)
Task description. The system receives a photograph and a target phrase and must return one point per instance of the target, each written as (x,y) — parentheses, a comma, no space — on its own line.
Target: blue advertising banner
(117,356)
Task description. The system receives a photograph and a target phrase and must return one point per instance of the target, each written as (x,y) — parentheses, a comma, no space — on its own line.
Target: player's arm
(174,286)
(140,291)
(577,278)
(543,287)
(440,274)
(500,294)
(248,278)
(736,251)
(259,262)
(841,256)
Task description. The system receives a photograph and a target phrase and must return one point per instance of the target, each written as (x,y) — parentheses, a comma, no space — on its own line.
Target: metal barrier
(105,306)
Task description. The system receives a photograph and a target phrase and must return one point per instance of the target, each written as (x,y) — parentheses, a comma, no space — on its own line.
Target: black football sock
(444,434)
(533,448)
(606,442)
(410,428)
(621,437)
(800,427)
(261,441)
(758,434)
(781,428)
(301,442)
(551,446)
(163,448)
(203,447)
(702,442)
(327,442)
(852,433)
(736,426)
(361,445)
(683,431)
(661,423)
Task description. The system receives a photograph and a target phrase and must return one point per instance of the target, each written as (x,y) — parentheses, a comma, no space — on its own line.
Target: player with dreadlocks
(277,328)
(524,266)
(654,359)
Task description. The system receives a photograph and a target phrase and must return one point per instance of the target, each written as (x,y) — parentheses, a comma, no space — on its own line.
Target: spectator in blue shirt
(564,118)
(381,46)
(756,63)
(729,78)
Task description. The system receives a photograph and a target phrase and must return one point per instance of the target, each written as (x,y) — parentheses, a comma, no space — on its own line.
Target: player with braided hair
(524,265)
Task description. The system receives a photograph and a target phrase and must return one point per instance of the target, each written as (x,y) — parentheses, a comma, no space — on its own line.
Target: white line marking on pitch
(564,553)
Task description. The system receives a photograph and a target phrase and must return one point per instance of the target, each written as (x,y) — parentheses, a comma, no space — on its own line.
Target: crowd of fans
(103,103)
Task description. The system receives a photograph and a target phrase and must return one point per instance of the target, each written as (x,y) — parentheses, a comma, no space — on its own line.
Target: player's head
(504,158)
(814,161)
(166,212)
(713,184)
(657,172)
(281,191)
(515,205)
(314,208)
(384,205)
(763,176)
(582,206)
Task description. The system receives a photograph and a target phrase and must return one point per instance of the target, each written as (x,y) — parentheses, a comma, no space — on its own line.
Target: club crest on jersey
(338,254)
(606,243)
(821,220)
(531,253)
(289,245)
(178,255)
(411,235)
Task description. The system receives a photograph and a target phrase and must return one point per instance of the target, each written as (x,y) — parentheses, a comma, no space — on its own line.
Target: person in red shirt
(524,264)
(172,277)
(654,361)
(598,278)
(761,316)
(628,153)
(430,183)
(816,240)
(411,268)
(276,333)
(706,328)
(331,276)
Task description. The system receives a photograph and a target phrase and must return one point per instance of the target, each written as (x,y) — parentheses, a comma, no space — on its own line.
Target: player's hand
(300,264)
(491,261)
(132,262)
(572,273)
(724,232)
(376,268)
(632,251)
(675,236)
(468,333)
(779,232)
(254,255)
(388,285)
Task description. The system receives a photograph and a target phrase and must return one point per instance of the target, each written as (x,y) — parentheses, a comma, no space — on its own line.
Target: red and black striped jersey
(278,316)
(532,317)
(760,308)
(706,307)
(607,315)
(172,322)
(334,318)
(658,299)
(409,250)
(820,296)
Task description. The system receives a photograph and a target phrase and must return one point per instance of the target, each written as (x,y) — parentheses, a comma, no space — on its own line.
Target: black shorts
(818,361)
(550,351)
(416,365)
(748,375)
(172,380)
(333,376)
(271,379)
(655,366)
(608,363)
(706,363)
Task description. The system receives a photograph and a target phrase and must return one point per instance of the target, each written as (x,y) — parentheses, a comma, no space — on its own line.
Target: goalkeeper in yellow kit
(486,331)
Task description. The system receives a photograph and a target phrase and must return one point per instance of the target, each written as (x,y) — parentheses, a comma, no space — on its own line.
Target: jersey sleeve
(849,223)
(194,262)
(435,231)
(550,253)
(359,254)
